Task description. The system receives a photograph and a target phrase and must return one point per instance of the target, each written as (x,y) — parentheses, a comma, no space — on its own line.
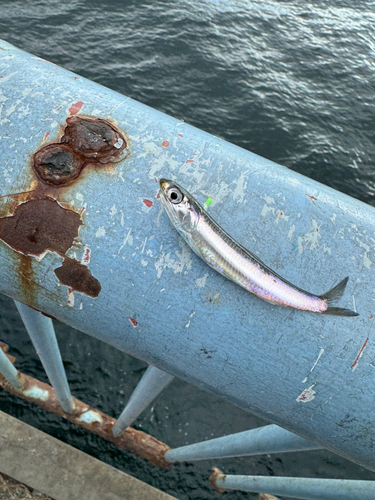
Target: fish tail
(332,296)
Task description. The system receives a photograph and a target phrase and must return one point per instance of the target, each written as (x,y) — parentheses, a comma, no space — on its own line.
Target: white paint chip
(36,393)
(307,395)
(201,282)
(89,417)
(100,232)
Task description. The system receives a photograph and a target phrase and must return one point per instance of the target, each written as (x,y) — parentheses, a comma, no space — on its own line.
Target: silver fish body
(221,252)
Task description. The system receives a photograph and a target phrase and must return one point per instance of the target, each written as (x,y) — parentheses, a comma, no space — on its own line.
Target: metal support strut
(42,334)
(153,382)
(8,371)
(267,439)
(296,487)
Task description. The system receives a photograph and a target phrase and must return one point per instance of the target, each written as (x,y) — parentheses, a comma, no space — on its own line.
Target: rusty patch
(78,277)
(40,225)
(94,138)
(134,322)
(86,141)
(57,164)
(216,473)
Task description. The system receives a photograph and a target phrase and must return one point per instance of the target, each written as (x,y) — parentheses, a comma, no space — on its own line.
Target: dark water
(291,81)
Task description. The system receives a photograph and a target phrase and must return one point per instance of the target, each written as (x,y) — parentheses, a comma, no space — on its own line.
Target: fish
(232,260)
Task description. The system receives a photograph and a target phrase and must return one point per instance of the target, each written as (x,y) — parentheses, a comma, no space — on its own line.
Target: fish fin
(335,293)
(332,296)
(339,311)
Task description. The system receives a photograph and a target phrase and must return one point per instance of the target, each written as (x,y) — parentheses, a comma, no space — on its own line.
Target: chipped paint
(291,231)
(70,302)
(366,260)
(201,282)
(36,393)
(75,108)
(100,232)
(182,264)
(314,365)
(311,239)
(307,395)
(90,417)
(134,322)
(86,256)
(359,356)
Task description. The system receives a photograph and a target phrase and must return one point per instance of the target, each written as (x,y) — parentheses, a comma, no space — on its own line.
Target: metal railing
(84,240)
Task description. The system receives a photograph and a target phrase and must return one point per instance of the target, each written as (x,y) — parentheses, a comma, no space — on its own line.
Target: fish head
(182,209)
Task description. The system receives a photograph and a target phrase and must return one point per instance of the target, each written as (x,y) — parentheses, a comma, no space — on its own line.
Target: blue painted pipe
(301,488)
(9,371)
(43,337)
(263,440)
(153,382)
(144,292)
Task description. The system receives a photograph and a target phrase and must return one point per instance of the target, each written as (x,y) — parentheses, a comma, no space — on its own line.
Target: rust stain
(57,164)
(148,203)
(75,108)
(40,225)
(26,275)
(134,322)
(189,161)
(85,141)
(165,144)
(78,277)
(94,138)
(33,222)
(216,473)
(311,197)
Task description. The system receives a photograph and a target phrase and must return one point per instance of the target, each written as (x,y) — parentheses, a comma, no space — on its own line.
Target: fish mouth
(164,183)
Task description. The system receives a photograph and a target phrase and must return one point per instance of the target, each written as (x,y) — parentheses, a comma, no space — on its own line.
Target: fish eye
(175,196)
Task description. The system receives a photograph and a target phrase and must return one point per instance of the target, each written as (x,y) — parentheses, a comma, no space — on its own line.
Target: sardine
(221,252)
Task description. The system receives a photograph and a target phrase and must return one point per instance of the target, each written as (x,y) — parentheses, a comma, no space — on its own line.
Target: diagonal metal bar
(153,382)
(296,487)
(9,372)
(267,439)
(42,334)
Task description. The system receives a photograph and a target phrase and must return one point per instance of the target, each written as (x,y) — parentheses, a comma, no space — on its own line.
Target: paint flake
(307,395)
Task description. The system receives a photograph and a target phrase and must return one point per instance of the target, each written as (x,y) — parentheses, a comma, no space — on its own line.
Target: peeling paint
(307,395)
(36,393)
(201,282)
(90,417)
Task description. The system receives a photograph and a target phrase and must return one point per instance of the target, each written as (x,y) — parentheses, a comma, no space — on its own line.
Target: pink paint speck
(134,322)
(75,78)
(45,136)
(86,256)
(371,317)
(165,144)
(58,109)
(355,364)
(311,197)
(158,196)
(155,179)
(148,203)
(189,161)
(180,135)
(75,108)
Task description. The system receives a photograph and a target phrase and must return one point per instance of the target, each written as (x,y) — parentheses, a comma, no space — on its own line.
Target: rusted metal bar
(42,334)
(296,487)
(89,418)
(153,382)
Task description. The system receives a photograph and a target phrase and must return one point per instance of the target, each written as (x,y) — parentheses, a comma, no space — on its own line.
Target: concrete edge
(61,471)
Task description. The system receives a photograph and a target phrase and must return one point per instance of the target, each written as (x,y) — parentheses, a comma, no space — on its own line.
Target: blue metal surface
(153,382)
(301,488)
(267,439)
(310,374)
(8,371)
(43,337)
